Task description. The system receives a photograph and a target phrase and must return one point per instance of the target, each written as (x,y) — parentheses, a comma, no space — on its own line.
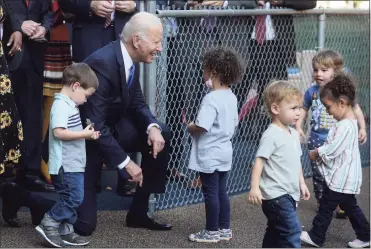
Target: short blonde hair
(328,59)
(278,91)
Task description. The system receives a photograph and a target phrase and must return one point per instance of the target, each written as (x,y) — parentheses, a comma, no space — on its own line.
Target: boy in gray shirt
(277,179)
(67,155)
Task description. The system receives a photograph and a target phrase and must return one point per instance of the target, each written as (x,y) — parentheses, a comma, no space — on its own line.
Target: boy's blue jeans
(214,187)
(283,229)
(70,188)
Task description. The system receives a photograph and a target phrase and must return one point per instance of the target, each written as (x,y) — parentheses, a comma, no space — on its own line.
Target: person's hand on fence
(304,191)
(125,6)
(156,140)
(102,8)
(362,136)
(255,196)
(261,3)
(212,3)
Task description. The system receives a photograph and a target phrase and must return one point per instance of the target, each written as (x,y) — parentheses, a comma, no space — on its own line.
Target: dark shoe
(74,239)
(12,202)
(51,235)
(148,223)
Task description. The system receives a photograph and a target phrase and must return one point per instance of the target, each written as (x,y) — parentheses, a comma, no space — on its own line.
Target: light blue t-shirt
(321,121)
(69,154)
(212,150)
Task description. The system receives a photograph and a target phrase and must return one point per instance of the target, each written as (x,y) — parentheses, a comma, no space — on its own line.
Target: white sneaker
(359,243)
(225,234)
(305,237)
(205,236)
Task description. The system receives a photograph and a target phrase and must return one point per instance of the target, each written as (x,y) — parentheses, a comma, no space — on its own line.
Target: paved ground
(248,224)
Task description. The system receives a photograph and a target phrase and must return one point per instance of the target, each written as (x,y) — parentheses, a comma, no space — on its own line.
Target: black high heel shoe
(11,204)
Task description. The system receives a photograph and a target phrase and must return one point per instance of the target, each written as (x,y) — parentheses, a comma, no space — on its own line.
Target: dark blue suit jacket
(89,28)
(117,111)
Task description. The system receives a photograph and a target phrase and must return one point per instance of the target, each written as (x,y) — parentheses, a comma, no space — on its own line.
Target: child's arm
(334,146)
(255,195)
(304,191)
(67,135)
(194,129)
(303,116)
(362,124)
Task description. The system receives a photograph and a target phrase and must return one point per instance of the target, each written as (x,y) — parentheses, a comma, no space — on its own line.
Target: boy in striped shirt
(67,155)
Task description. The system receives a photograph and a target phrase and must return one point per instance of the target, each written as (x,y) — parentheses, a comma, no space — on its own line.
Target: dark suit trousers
(28,92)
(154,175)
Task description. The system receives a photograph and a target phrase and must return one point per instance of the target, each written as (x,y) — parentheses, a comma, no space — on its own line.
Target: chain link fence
(292,40)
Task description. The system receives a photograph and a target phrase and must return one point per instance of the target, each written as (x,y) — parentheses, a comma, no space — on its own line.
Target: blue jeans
(328,203)
(70,188)
(283,225)
(217,204)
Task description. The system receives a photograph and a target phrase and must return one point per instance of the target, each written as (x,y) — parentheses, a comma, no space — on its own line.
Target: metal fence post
(321,31)
(150,93)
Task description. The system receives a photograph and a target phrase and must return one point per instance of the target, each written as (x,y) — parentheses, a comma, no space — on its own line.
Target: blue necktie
(131,76)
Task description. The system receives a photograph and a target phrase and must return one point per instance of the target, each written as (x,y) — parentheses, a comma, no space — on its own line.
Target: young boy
(67,156)
(326,64)
(277,179)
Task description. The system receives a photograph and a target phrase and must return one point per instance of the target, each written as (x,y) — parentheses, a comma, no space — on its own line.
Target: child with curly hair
(211,153)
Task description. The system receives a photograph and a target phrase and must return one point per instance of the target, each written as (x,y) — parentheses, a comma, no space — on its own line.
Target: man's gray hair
(139,23)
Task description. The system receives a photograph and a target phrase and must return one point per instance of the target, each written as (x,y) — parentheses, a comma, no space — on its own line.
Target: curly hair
(278,91)
(225,63)
(341,86)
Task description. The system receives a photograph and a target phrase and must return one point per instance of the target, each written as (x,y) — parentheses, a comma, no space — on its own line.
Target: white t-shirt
(218,115)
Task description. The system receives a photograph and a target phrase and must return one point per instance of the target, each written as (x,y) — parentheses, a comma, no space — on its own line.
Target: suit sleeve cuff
(151,125)
(124,163)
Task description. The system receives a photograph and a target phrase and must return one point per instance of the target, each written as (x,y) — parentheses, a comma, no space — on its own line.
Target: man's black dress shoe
(148,223)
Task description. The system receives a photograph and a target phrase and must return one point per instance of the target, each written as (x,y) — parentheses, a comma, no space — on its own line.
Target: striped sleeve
(335,145)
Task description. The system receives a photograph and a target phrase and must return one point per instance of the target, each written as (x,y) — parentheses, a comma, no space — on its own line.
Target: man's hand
(212,3)
(135,172)
(40,33)
(125,6)
(16,40)
(261,3)
(29,27)
(255,196)
(276,2)
(362,136)
(304,191)
(155,140)
(102,8)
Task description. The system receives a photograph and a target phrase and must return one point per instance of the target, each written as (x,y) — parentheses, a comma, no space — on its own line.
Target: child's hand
(88,132)
(304,191)
(255,196)
(313,155)
(189,127)
(95,135)
(362,136)
(301,135)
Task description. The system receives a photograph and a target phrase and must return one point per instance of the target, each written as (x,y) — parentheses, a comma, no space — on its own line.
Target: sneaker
(51,235)
(305,237)
(340,214)
(205,236)
(359,243)
(225,234)
(73,239)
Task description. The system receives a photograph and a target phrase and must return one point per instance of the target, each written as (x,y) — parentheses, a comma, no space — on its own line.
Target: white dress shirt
(128,62)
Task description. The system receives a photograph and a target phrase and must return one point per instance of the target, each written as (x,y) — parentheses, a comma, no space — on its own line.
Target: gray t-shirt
(281,170)
(218,115)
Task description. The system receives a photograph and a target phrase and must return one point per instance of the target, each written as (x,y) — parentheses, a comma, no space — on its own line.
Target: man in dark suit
(34,19)
(126,124)
(96,23)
